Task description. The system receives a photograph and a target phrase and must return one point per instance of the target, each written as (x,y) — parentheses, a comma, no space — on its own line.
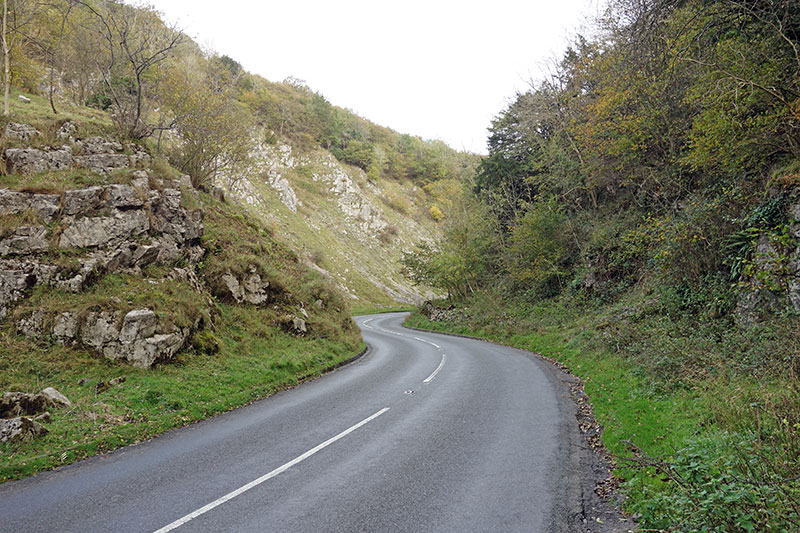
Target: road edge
(599,496)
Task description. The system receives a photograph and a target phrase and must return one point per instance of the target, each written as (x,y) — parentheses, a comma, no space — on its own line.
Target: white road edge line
(179,522)
(438,368)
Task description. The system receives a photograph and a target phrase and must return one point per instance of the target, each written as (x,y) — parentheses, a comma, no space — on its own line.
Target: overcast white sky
(439,69)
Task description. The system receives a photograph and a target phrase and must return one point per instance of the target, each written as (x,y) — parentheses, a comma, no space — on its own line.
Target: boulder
(299,325)
(138,324)
(20,429)
(55,398)
(21,132)
(14,404)
(25,240)
(22,403)
(92,232)
(33,161)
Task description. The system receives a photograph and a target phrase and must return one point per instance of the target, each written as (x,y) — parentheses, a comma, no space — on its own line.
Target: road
(425,432)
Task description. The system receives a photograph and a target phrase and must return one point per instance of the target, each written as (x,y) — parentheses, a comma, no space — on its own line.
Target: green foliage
(538,248)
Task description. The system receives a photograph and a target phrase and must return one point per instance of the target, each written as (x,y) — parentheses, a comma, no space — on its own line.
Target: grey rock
(139,159)
(100,145)
(25,240)
(99,329)
(21,132)
(141,184)
(65,328)
(92,232)
(299,325)
(138,324)
(20,429)
(102,163)
(13,283)
(255,289)
(186,182)
(13,203)
(33,161)
(170,218)
(251,289)
(32,326)
(145,255)
(67,131)
(22,403)
(234,288)
(24,99)
(82,201)
(121,259)
(122,196)
(14,404)
(55,398)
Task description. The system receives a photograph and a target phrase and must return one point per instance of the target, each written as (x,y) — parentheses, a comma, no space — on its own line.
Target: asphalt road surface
(425,432)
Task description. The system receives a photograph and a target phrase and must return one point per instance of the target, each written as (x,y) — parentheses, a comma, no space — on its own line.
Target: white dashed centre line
(231,495)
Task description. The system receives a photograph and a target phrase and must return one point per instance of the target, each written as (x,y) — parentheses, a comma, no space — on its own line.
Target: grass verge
(255,360)
(713,451)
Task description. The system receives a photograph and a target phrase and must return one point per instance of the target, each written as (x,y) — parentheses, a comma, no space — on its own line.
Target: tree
(214,133)
(135,41)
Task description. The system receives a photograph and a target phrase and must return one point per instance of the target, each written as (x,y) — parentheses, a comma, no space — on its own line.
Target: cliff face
(72,257)
(343,224)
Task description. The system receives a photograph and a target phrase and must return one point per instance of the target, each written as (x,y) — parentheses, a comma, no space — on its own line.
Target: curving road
(426,432)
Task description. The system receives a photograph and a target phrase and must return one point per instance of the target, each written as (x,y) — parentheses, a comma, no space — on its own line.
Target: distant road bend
(426,432)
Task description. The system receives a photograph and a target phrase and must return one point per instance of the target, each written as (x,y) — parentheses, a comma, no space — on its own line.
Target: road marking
(428,342)
(231,495)
(438,368)
(365,323)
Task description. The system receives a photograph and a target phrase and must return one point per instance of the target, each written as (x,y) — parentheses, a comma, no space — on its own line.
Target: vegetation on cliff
(639,220)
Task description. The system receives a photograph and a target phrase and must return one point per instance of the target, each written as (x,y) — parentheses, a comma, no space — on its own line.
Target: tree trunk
(6,66)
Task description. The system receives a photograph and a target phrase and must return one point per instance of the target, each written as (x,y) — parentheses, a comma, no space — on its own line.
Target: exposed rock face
(351,199)
(776,284)
(46,206)
(138,337)
(93,232)
(20,429)
(25,240)
(20,132)
(95,153)
(251,288)
(135,340)
(32,160)
(13,404)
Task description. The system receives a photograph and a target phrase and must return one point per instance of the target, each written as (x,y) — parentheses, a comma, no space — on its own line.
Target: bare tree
(136,40)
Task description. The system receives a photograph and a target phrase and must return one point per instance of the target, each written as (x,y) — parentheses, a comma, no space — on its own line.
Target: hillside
(179,237)
(637,219)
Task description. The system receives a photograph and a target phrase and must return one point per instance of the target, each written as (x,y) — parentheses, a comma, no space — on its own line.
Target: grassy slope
(321,232)
(255,358)
(712,429)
